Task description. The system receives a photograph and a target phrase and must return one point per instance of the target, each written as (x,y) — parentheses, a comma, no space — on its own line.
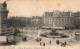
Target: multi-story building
(58,19)
(36,22)
(76,16)
(3,17)
(47,20)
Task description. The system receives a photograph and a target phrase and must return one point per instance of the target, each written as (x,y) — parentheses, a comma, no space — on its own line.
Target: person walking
(65,42)
(50,42)
(40,39)
(43,44)
(57,42)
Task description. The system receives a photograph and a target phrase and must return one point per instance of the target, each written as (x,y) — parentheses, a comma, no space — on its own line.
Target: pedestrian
(50,42)
(37,39)
(40,39)
(43,44)
(57,42)
(40,43)
(24,38)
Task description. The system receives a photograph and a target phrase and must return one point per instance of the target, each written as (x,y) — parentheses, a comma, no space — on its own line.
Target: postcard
(39,24)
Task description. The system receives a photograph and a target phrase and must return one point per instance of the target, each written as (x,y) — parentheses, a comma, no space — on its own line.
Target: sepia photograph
(39,24)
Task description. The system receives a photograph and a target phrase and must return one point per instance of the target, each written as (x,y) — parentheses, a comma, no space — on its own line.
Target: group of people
(44,43)
(24,38)
(62,44)
(39,39)
(57,42)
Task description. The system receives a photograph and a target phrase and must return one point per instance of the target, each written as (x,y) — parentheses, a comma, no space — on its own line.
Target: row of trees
(22,22)
(13,22)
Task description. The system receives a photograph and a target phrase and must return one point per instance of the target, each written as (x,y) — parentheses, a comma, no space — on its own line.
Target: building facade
(47,20)
(36,22)
(3,17)
(58,20)
(76,16)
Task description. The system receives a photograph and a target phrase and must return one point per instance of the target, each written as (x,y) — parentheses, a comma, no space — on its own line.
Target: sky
(29,8)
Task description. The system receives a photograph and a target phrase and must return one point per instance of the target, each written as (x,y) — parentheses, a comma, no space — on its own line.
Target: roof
(76,14)
(58,14)
(48,13)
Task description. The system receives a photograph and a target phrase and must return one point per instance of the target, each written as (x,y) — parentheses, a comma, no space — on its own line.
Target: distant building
(76,16)
(36,22)
(3,17)
(58,20)
(47,20)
